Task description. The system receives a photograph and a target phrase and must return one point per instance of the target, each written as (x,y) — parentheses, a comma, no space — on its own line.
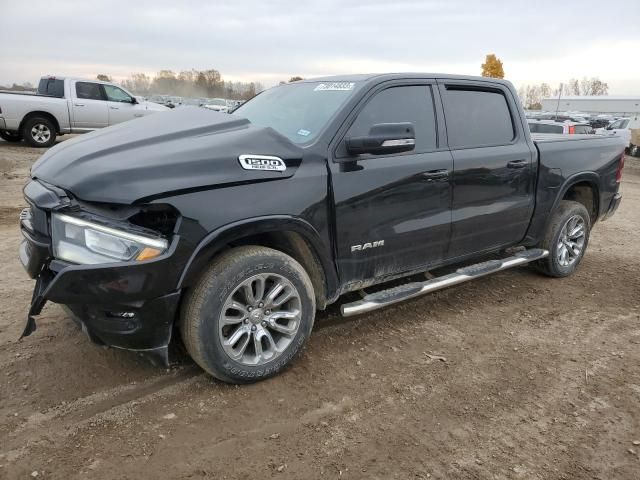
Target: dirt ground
(540,379)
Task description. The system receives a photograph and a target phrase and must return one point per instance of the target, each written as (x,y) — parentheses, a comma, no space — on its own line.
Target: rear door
(89,106)
(493,171)
(392,211)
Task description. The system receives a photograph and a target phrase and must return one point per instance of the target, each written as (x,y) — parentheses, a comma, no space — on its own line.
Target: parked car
(234,229)
(217,104)
(621,128)
(160,99)
(67,105)
(192,102)
(174,102)
(563,127)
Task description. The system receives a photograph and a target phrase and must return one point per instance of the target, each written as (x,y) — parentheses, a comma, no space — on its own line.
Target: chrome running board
(374,301)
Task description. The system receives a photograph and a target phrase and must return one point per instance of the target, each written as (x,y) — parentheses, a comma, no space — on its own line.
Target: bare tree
(572,87)
(138,83)
(189,83)
(593,86)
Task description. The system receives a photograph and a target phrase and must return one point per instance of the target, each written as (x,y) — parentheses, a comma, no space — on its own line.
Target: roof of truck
(364,77)
(76,79)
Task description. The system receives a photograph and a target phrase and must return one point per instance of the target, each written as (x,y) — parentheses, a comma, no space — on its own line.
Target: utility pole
(558,104)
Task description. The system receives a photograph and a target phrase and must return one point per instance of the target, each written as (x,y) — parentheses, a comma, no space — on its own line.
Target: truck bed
(560,137)
(575,156)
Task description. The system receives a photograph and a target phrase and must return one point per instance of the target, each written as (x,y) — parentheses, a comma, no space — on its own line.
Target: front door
(393,212)
(121,106)
(89,106)
(493,174)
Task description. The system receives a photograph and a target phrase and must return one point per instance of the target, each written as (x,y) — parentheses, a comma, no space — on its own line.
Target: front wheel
(9,136)
(39,132)
(566,239)
(249,315)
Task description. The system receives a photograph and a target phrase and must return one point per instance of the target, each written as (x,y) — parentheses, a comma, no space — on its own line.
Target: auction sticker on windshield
(334,86)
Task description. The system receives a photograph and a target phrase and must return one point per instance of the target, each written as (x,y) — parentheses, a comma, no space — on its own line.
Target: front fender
(216,241)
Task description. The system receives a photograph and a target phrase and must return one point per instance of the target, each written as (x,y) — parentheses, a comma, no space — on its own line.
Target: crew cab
(229,231)
(67,105)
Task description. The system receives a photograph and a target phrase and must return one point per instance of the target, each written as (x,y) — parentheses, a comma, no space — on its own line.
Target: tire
(9,136)
(207,318)
(556,242)
(39,132)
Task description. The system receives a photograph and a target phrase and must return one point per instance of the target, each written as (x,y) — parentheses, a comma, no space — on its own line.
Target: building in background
(619,106)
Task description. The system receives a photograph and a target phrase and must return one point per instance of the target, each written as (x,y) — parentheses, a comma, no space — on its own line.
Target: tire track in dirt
(65,419)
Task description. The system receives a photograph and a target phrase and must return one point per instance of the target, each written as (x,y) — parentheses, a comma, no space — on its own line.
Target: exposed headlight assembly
(80,241)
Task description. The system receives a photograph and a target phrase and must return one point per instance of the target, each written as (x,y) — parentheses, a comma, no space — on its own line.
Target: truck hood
(163,154)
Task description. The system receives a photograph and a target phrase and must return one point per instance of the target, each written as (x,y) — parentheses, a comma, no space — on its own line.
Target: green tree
(492,67)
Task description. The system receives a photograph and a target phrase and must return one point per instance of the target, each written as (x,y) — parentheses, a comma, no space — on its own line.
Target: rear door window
(51,86)
(477,118)
(89,91)
(583,129)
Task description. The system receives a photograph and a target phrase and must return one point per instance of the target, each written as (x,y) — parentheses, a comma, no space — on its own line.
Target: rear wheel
(249,316)
(566,239)
(39,132)
(9,136)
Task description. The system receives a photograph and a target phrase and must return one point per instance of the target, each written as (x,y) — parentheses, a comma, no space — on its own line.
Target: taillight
(620,167)
(572,129)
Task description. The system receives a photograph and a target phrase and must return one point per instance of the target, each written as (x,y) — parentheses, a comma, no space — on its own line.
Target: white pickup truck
(66,105)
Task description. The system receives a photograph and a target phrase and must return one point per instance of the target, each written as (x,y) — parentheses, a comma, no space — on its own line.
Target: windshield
(299,111)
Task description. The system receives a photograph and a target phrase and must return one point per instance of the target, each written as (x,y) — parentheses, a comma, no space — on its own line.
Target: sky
(271,40)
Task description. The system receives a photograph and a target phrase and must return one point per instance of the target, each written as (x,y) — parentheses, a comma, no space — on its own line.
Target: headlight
(80,241)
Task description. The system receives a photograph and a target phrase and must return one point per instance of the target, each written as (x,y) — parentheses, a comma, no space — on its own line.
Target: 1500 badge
(262,162)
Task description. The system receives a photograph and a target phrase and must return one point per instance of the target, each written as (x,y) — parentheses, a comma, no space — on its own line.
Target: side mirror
(134,100)
(384,138)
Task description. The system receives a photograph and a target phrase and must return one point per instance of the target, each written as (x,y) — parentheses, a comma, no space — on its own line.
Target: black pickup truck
(232,230)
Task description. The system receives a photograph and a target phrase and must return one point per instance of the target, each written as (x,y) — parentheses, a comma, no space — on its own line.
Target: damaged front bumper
(125,305)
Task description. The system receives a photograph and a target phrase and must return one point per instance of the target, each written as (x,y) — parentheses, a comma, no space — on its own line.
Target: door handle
(517,164)
(78,104)
(432,175)
(114,108)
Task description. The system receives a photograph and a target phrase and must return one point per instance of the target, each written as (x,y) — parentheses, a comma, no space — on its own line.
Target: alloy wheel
(40,133)
(571,241)
(260,319)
